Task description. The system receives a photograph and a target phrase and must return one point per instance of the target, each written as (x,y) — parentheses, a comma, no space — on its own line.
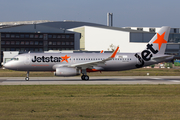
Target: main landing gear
(27,78)
(84,76)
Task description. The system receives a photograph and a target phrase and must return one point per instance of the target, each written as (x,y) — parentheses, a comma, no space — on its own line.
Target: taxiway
(93,80)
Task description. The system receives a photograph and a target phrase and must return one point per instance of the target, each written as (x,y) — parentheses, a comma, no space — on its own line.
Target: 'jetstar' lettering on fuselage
(46,59)
(146,55)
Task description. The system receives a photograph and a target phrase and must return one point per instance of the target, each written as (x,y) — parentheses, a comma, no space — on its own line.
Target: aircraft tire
(27,79)
(82,77)
(86,77)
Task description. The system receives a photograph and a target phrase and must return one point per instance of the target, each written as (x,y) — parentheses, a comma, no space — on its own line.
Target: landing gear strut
(27,78)
(84,76)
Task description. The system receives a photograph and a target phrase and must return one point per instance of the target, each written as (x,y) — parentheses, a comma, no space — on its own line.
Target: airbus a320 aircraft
(72,64)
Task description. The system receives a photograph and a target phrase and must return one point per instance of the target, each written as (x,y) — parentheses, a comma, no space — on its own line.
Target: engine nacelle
(65,71)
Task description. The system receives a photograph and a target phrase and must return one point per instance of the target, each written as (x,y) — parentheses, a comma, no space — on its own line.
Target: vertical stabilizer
(155,47)
(160,40)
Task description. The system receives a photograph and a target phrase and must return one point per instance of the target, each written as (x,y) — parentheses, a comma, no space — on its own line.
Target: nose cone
(9,65)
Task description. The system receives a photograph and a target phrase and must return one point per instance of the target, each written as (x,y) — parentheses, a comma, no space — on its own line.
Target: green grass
(100,102)
(135,72)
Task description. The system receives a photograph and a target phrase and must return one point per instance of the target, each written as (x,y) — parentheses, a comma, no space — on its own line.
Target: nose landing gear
(27,78)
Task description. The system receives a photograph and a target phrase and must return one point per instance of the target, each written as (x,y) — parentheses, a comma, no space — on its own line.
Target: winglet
(101,51)
(114,53)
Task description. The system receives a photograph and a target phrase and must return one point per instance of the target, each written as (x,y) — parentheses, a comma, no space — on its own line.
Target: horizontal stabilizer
(160,58)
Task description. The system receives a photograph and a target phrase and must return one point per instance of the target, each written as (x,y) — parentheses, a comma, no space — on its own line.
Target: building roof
(43,26)
(34,28)
(122,29)
(54,26)
(23,22)
(68,24)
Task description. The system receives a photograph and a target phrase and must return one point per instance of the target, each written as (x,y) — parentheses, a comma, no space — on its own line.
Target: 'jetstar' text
(46,59)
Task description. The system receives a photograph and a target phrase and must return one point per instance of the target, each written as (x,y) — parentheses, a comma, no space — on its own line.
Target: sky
(126,13)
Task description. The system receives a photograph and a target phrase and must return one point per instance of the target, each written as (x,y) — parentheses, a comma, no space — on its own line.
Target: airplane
(72,64)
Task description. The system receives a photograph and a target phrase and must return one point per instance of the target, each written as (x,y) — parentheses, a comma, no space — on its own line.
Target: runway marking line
(157,78)
(174,80)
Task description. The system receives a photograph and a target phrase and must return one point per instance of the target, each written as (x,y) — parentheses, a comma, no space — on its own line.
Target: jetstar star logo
(147,54)
(65,58)
(160,40)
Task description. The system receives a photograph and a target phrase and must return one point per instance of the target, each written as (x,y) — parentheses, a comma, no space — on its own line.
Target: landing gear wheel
(85,77)
(27,79)
(82,77)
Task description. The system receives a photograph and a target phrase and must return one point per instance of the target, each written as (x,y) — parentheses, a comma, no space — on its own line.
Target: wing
(90,64)
(95,63)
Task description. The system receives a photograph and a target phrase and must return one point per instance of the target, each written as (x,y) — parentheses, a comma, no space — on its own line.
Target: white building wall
(97,39)
(157,29)
(7,55)
(145,28)
(133,28)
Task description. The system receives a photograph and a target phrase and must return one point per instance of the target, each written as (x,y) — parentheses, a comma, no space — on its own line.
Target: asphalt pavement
(93,80)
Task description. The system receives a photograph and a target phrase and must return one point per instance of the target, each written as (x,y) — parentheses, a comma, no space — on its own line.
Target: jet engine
(65,71)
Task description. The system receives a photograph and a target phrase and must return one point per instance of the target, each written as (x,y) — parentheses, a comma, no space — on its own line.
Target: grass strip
(90,102)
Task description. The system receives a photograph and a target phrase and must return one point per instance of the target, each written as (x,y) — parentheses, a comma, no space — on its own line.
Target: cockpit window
(16,59)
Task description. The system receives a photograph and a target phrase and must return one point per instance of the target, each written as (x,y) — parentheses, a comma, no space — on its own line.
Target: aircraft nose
(8,65)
